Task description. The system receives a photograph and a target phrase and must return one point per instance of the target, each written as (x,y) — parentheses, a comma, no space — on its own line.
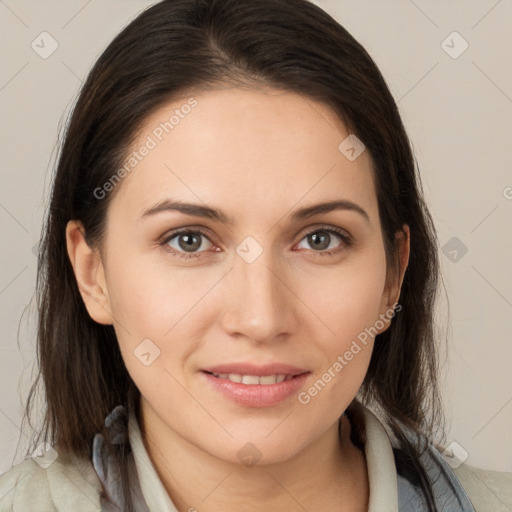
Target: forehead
(246,148)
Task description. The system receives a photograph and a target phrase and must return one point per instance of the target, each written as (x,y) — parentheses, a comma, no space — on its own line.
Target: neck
(329,474)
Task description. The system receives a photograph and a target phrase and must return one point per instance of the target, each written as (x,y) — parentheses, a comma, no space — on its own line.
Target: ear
(89,273)
(396,277)
(404,248)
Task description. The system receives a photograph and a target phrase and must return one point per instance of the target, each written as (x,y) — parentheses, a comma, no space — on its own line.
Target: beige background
(458,112)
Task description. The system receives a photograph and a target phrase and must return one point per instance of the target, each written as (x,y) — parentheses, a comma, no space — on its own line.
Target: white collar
(379,460)
(381,466)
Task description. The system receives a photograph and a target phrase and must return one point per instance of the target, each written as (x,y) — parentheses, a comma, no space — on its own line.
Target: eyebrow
(197,210)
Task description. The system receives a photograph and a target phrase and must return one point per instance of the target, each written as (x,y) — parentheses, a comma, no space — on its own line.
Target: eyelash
(347,241)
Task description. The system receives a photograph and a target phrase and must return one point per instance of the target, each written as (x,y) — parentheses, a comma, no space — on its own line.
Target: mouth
(251,374)
(251,380)
(256,386)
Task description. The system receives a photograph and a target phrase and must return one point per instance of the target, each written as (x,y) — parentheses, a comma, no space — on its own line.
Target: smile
(253,379)
(250,390)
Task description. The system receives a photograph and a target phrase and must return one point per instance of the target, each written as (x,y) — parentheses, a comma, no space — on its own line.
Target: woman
(237,264)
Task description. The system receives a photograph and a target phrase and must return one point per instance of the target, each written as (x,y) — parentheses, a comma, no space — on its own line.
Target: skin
(257,155)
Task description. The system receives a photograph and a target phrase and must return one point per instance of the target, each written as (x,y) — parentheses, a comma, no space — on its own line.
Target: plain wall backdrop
(449,67)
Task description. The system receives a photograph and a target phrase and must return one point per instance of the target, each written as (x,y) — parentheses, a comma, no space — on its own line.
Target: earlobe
(89,273)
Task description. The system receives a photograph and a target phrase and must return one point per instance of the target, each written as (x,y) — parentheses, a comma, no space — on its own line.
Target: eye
(321,239)
(188,243)
(184,243)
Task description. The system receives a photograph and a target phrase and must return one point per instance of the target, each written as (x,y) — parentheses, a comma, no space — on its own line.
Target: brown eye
(319,240)
(187,243)
(326,241)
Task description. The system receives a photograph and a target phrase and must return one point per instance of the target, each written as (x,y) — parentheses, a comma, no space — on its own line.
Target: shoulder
(455,488)
(59,482)
(487,490)
(25,485)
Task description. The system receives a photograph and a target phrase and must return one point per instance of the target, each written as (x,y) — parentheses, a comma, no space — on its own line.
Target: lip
(256,395)
(252,369)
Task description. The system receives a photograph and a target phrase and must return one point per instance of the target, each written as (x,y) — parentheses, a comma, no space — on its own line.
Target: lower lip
(257,395)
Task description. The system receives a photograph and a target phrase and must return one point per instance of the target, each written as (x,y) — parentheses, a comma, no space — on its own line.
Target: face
(267,286)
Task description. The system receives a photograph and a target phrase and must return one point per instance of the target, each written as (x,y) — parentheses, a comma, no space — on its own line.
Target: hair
(170,49)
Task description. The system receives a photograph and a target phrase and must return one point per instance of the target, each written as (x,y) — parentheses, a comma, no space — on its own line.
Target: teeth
(250,379)
(269,379)
(254,379)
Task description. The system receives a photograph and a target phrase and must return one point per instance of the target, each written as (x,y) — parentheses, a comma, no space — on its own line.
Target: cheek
(149,297)
(349,298)
(150,306)
(349,306)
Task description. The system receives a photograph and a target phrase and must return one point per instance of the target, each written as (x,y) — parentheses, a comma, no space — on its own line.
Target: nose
(259,304)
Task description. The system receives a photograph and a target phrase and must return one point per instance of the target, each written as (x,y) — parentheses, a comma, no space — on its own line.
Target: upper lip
(252,369)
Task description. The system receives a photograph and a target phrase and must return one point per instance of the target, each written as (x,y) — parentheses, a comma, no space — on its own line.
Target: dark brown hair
(177,46)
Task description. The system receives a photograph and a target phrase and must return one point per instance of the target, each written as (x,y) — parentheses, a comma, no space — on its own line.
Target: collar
(381,465)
